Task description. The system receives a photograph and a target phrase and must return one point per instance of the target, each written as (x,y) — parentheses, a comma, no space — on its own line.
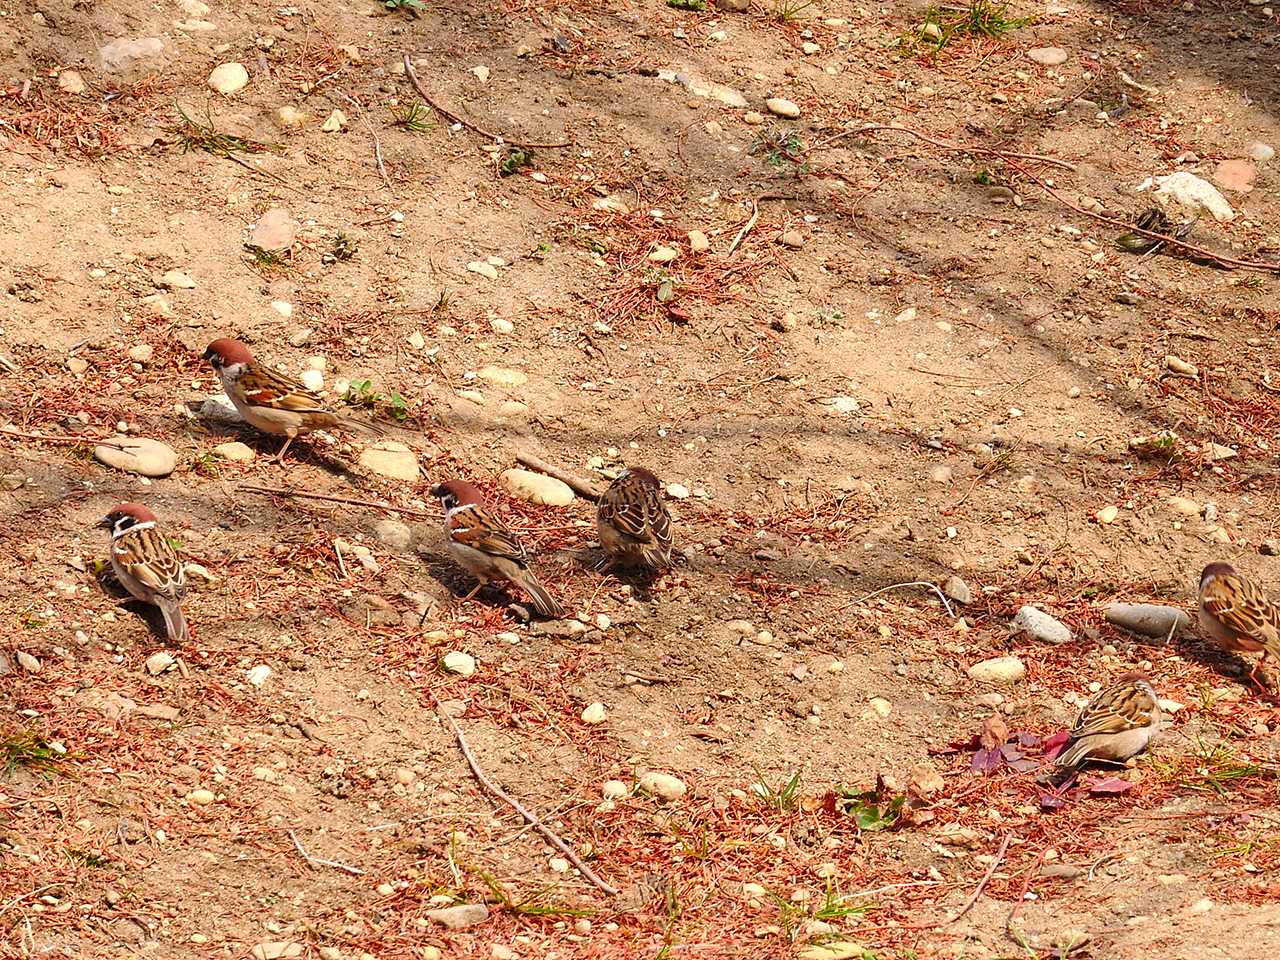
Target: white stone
(614,790)
(1041,626)
(177,280)
(1191,192)
(283,307)
(698,241)
(998,670)
(227,78)
(334,122)
(235,451)
(159,662)
(460,663)
(782,107)
(594,714)
(313,380)
(502,325)
(503,377)
(391,458)
(393,534)
(677,491)
(27,662)
(662,786)
(881,706)
(201,798)
(1048,56)
(258,675)
(70,81)
(148,458)
(487,270)
(537,487)
(481,73)
(664,254)
(220,409)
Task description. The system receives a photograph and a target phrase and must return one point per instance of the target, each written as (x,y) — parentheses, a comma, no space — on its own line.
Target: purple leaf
(1024,764)
(1010,752)
(1056,744)
(985,761)
(1026,739)
(1052,801)
(1109,785)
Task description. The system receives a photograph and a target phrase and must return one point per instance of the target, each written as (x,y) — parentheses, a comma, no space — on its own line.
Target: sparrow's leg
(279,457)
(480,585)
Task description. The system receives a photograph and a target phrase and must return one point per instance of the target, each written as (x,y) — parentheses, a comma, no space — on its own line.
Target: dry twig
(61,438)
(417,85)
(533,821)
(911,583)
(377,144)
(582,487)
(318,862)
(352,501)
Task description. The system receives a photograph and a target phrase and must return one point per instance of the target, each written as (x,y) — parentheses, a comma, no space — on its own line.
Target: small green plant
(872,810)
(411,7)
(361,393)
(416,118)
(698,6)
(514,160)
(788,10)
(27,749)
(535,906)
(207,465)
(941,25)
(984,178)
(782,798)
(343,249)
(834,907)
(444,300)
(175,543)
(781,148)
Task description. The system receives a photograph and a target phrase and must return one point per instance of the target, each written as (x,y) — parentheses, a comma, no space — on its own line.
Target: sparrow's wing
(1126,706)
(634,508)
(1239,605)
(151,560)
(264,387)
(476,527)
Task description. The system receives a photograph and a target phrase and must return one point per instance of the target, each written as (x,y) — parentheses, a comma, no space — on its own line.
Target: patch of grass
(835,908)
(533,907)
(698,6)
(1217,768)
(361,393)
(941,25)
(411,7)
(416,118)
(28,749)
(87,858)
(782,798)
(267,260)
(444,301)
(206,465)
(788,10)
(194,135)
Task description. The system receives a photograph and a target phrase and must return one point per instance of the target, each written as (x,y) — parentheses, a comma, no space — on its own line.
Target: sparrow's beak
(104,524)
(209,355)
(437,491)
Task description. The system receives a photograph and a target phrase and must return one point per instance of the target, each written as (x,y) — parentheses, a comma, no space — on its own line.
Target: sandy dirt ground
(856,356)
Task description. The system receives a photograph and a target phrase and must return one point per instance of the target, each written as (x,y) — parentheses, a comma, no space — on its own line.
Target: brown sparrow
(485,548)
(146,565)
(1238,615)
(633,522)
(1118,723)
(272,401)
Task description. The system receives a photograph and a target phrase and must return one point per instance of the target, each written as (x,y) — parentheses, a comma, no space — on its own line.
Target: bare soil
(940,373)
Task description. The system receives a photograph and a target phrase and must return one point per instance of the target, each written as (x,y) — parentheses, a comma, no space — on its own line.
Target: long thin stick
(982,884)
(61,438)
(533,821)
(1022,896)
(318,862)
(742,234)
(413,78)
(291,492)
(377,144)
(913,583)
(342,564)
(943,145)
(583,488)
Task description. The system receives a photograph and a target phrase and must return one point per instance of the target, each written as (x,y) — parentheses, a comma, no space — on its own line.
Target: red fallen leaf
(1108,785)
(994,732)
(678,316)
(1056,744)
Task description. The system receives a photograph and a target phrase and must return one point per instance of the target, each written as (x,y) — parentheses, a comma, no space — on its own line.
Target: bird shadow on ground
(148,613)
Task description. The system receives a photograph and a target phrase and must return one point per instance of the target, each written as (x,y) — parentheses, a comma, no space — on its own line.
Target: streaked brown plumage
(484,547)
(1118,723)
(633,522)
(1238,614)
(272,401)
(146,564)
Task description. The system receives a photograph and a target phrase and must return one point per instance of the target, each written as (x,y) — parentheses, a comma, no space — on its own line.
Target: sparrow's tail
(370,428)
(175,624)
(543,602)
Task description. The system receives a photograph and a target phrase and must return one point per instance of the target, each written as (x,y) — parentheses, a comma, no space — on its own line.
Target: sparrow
(146,564)
(274,402)
(1238,615)
(633,522)
(1118,723)
(485,548)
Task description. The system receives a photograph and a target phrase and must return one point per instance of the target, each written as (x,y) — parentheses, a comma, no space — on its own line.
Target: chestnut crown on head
(125,515)
(457,493)
(225,352)
(1216,570)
